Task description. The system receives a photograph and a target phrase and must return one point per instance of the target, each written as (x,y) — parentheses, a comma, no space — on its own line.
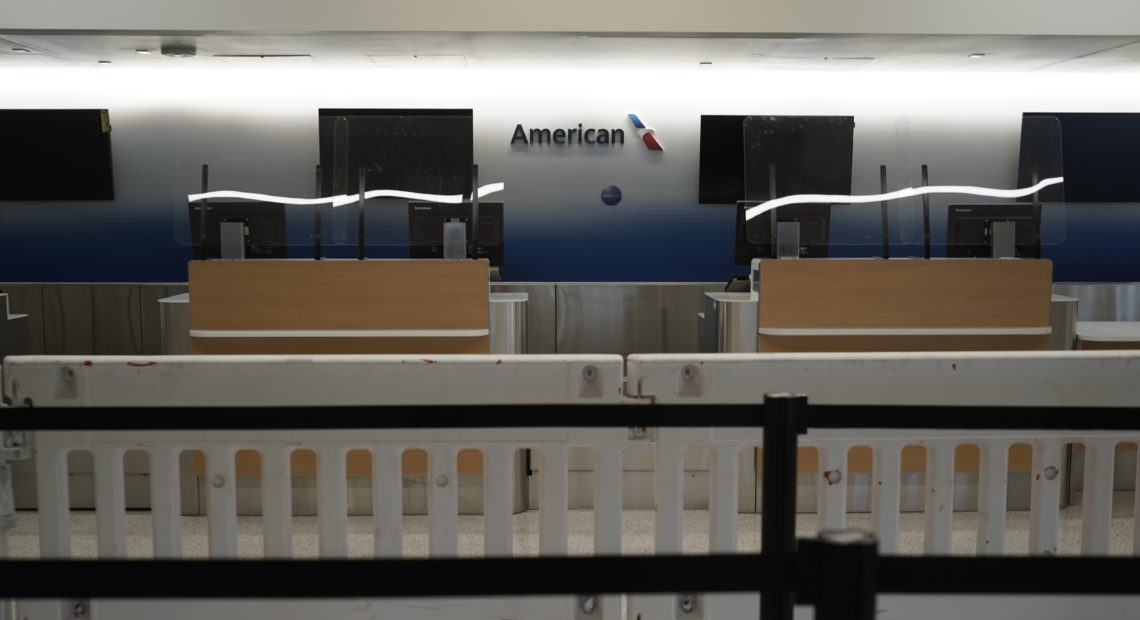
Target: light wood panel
(874,293)
(317,346)
(825,344)
(1103,345)
(308,295)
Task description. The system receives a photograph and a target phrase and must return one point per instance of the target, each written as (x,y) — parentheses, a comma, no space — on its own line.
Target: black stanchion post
(925,215)
(317,218)
(772,213)
(845,578)
(785,417)
(883,209)
(200,251)
(473,248)
(360,215)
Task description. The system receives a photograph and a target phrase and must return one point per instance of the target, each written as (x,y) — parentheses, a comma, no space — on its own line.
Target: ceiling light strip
(990,192)
(343,199)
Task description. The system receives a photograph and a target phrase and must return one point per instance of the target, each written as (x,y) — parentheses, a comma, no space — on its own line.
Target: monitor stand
(232,239)
(1003,235)
(454,240)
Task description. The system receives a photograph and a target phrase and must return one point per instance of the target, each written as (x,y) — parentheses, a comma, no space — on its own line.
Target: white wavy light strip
(344,199)
(990,192)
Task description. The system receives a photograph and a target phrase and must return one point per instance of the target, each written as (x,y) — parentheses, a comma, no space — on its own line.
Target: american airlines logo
(524,137)
(646,134)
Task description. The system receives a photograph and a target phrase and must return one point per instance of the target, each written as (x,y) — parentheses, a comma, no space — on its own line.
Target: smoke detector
(179,51)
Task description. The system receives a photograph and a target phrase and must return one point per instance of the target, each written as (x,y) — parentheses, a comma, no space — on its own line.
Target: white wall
(257,129)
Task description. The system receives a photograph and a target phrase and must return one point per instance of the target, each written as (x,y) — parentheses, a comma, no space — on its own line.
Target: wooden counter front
(339,306)
(844,305)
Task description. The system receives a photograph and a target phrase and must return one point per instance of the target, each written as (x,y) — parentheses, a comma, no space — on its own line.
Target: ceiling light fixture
(143,52)
(976,55)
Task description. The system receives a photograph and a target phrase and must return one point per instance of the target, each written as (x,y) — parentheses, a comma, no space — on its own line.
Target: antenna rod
(883,208)
(925,216)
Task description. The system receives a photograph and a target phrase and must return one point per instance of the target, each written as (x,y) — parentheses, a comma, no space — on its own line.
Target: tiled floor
(637,533)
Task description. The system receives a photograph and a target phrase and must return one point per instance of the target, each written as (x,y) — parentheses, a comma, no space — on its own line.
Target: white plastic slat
(387,502)
(1044,496)
(498,492)
(552,512)
(993,476)
(221,501)
(277,501)
(724,502)
(443,502)
(668,484)
(332,501)
(1136,512)
(886,479)
(166,501)
(1096,500)
(607,501)
(52,498)
(831,486)
(110,503)
(939,506)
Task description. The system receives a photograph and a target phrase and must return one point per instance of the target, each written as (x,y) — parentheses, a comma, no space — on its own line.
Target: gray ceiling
(571,50)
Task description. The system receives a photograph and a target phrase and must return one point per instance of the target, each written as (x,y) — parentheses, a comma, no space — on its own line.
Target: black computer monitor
(264,222)
(425,229)
(754,237)
(969,229)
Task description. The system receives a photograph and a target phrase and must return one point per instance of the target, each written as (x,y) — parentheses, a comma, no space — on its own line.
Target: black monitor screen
(416,150)
(1096,152)
(265,235)
(721,159)
(754,236)
(55,155)
(969,229)
(425,229)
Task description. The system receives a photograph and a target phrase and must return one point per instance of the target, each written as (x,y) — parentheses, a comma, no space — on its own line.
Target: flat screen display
(754,236)
(428,151)
(969,229)
(425,229)
(55,155)
(1099,156)
(263,227)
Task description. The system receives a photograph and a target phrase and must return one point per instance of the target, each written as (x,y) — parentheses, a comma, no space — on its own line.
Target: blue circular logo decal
(611,195)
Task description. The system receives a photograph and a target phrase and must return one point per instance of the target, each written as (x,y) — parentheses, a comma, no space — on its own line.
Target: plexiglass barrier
(249,198)
(933,187)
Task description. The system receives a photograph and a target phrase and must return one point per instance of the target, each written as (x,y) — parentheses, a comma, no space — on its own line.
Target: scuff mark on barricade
(87,362)
(142,364)
(427,361)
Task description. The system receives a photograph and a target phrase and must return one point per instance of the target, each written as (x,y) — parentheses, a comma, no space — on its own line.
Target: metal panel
(27,299)
(174,324)
(540,313)
(729,323)
(69,319)
(508,322)
(1103,301)
(116,319)
(1063,320)
(150,313)
(629,318)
